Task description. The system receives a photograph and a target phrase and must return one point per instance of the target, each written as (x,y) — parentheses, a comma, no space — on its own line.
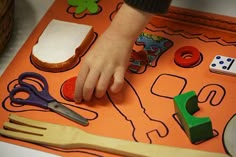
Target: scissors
(42,98)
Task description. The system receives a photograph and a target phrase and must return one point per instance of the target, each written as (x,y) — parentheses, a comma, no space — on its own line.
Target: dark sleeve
(151,6)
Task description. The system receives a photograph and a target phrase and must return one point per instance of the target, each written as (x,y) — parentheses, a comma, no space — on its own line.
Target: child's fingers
(104,82)
(118,80)
(90,84)
(79,85)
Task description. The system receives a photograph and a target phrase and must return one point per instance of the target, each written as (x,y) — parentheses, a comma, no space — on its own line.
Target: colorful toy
(197,129)
(154,47)
(187,56)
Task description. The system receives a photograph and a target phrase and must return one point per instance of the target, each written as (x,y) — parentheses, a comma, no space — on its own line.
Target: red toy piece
(67,89)
(187,56)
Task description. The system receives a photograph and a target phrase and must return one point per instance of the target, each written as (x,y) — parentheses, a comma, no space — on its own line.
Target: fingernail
(77,101)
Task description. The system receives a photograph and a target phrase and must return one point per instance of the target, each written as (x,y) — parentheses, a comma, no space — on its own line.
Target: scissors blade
(68,113)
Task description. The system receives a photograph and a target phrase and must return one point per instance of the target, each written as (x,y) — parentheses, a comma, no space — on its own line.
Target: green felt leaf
(74,2)
(81,8)
(93,7)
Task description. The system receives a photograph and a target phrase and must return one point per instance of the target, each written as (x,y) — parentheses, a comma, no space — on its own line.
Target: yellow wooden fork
(71,137)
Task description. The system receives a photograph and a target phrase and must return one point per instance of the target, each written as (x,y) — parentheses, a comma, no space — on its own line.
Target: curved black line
(168,97)
(214,93)
(85,109)
(173,30)
(215,132)
(140,72)
(10,83)
(115,11)
(144,111)
(123,115)
(203,17)
(215,38)
(229,43)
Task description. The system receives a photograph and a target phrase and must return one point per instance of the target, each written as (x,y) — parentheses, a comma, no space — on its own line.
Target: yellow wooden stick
(71,137)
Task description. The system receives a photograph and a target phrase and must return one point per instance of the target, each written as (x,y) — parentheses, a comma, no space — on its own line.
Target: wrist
(128,23)
(155,6)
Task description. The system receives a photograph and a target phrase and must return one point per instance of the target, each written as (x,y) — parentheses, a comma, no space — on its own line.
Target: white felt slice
(59,41)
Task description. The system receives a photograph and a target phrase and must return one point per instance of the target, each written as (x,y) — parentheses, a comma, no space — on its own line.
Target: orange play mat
(144,110)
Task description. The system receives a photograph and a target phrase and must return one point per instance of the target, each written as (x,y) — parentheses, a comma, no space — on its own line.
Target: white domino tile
(223,65)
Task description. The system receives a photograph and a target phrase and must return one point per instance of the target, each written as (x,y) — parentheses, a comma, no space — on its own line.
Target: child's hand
(105,64)
(104,67)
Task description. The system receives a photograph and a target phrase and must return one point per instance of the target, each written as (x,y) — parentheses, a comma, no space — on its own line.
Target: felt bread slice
(61,45)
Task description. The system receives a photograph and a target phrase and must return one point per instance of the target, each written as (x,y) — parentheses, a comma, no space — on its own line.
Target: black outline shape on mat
(82,15)
(215,132)
(79,58)
(176,76)
(214,94)
(223,141)
(111,16)
(14,83)
(144,111)
(179,32)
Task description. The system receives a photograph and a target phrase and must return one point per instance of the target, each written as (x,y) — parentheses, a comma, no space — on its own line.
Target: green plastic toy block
(196,128)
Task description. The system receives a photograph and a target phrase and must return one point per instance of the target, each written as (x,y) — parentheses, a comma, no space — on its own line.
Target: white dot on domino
(223,65)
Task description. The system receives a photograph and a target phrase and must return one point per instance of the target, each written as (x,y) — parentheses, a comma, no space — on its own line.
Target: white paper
(11,150)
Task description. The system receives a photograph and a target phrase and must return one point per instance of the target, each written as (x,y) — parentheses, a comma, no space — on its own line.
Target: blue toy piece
(154,47)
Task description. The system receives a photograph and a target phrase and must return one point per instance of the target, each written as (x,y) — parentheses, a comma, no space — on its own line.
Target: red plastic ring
(187,56)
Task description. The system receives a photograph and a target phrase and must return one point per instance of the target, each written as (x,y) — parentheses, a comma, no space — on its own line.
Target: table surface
(27,15)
